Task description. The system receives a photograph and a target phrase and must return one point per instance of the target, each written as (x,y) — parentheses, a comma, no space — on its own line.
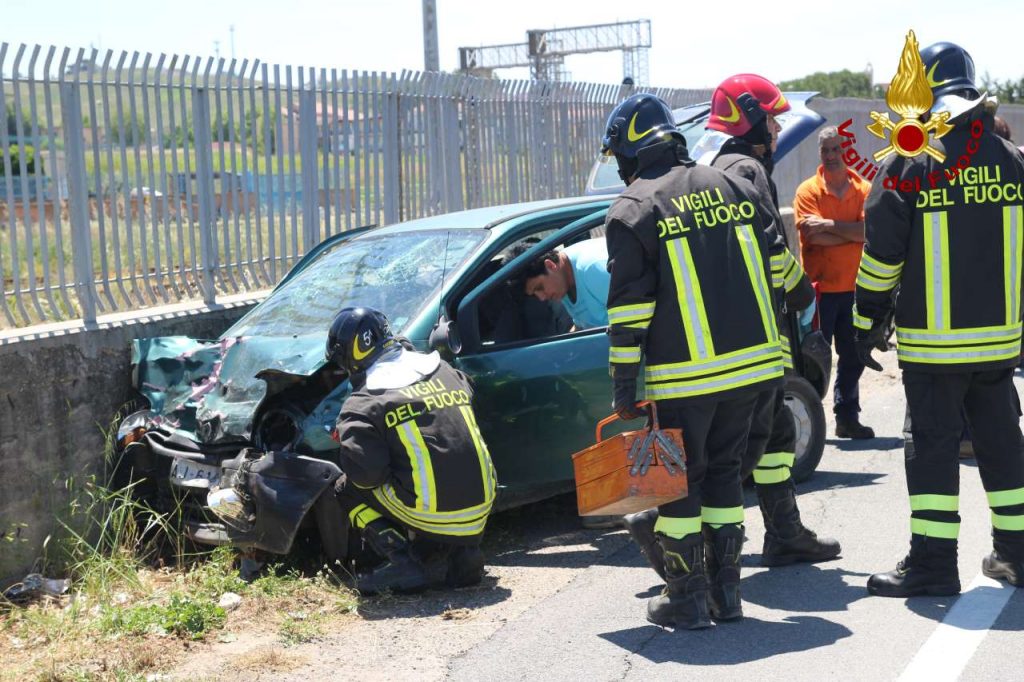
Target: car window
(395,273)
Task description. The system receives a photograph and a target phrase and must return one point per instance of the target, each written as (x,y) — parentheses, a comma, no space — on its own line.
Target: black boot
(401,571)
(641,528)
(850,427)
(1004,563)
(722,549)
(684,602)
(786,540)
(930,568)
(465,567)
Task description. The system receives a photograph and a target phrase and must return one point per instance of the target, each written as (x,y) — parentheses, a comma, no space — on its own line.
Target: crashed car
(237,435)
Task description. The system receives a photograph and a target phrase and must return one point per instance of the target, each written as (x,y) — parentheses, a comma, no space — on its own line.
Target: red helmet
(742,101)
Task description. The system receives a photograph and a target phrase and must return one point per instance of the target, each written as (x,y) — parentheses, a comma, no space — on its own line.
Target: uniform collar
(400,369)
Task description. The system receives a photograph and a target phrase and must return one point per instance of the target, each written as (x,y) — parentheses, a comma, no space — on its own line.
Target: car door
(538,400)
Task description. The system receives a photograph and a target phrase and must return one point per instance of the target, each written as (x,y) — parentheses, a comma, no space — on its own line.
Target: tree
(1007,91)
(843,83)
(22,158)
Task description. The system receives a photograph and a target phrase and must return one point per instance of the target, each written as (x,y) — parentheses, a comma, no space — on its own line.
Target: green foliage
(21,158)
(130,133)
(843,83)
(1008,91)
(183,616)
(12,122)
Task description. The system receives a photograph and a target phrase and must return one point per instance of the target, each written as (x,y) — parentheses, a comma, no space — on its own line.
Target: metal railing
(131,180)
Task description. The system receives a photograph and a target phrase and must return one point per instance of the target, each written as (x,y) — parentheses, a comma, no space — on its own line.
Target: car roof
(476,218)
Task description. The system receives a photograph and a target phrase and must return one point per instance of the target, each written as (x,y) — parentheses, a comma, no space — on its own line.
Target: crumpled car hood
(208,389)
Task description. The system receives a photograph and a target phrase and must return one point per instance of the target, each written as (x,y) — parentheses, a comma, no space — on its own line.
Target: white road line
(951,646)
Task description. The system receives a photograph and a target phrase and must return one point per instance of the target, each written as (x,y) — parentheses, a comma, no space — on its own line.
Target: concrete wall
(62,385)
(803,161)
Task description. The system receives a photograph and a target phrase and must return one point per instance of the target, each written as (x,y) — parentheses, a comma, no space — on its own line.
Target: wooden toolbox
(631,471)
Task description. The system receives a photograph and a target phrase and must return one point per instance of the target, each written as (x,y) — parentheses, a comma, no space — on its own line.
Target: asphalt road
(802,623)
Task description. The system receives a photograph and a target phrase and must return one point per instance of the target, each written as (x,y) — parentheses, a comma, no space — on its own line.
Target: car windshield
(394,273)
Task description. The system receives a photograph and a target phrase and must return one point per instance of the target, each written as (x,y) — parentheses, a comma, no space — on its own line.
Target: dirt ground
(533,552)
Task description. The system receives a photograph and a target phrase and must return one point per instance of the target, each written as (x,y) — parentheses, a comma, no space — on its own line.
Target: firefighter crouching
(958,324)
(691,294)
(418,481)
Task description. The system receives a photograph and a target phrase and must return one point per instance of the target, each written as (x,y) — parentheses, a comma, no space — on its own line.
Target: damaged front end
(237,439)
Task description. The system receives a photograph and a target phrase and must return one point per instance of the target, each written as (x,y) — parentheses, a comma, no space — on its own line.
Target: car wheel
(809,420)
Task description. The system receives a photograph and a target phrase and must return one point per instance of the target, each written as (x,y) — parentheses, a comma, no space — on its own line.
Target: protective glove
(866,342)
(625,403)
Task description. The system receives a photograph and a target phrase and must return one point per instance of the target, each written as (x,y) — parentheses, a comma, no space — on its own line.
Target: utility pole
(430,57)
(231,29)
(216,50)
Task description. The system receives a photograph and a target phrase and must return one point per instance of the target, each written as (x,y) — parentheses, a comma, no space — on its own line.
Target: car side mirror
(444,338)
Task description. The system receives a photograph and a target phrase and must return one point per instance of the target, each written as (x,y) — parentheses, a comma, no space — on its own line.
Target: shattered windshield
(394,273)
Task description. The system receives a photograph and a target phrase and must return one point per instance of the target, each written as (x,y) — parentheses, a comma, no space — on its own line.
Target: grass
(139,595)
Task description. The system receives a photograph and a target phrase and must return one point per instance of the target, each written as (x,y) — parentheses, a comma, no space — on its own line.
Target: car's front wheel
(809,420)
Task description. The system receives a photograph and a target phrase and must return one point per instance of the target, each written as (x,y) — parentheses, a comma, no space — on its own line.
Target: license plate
(191,474)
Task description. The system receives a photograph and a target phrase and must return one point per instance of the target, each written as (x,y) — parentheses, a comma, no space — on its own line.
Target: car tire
(809,420)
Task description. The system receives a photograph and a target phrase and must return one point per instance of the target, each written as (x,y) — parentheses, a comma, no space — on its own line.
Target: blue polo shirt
(590,267)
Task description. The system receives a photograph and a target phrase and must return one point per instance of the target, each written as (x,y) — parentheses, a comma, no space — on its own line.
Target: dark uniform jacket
(788,277)
(688,252)
(420,451)
(952,241)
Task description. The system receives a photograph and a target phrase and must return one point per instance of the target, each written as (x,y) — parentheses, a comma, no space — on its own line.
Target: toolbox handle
(652,424)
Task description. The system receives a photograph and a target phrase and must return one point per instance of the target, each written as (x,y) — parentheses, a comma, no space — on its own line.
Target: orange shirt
(834,268)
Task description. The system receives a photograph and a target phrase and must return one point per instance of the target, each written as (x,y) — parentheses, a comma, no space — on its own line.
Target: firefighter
(418,481)
(745,107)
(690,294)
(955,251)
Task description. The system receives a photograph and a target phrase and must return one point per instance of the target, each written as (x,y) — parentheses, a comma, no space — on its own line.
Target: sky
(694,44)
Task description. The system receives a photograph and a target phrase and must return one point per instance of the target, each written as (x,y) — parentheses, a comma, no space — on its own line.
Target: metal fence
(131,180)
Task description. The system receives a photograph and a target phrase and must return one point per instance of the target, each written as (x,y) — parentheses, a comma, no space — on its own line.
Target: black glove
(869,341)
(624,403)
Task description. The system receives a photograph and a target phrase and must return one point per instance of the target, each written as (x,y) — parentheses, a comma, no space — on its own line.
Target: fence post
(392,148)
(78,199)
(209,257)
(307,156)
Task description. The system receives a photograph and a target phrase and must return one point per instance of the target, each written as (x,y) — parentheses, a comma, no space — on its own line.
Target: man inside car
(576,275)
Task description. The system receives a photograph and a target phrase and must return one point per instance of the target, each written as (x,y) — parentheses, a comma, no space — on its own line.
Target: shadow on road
(433,602)
(1011,619)
(880,443)
(803,588)
(829,480)
(730,643)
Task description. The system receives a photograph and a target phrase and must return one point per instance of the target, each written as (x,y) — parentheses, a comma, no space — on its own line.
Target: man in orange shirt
(829,213)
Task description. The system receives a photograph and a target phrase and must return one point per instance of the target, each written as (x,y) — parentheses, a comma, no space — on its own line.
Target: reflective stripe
(643,324)
(691,303)
(1005,498)
(488,476)
(787,353)
(771,476)
(861,322)
(968,335)
(624,354)
(777,459)
(935,529)
(938,356)
(950,503)
(755,270)
(634,312)
(722,382)
(877,268)
(419,459)
(1012,260)
(725,361)
(1002,522)
(677,528)
(362,515)
(786,271)
(721,515)
(936,268)
(875,275)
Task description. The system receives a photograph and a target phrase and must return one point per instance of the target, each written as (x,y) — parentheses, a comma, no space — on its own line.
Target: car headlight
(133,427)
